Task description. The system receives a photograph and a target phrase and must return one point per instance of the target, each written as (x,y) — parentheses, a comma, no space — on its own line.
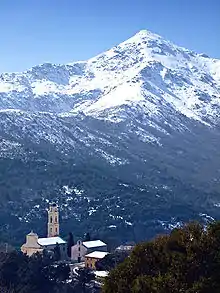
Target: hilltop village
(82,253)
(186,260)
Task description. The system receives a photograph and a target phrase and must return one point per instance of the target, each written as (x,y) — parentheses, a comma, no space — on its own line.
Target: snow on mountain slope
(145,70)
(135,128)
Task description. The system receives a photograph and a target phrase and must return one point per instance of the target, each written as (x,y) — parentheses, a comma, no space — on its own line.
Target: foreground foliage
(187,260)
(39,274)
(19,273)
(111,260)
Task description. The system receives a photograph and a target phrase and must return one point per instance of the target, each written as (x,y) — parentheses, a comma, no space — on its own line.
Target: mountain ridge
(94,79)
(132,134)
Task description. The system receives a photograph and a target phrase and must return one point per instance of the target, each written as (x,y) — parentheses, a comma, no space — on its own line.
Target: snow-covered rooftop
(94,243)
(124,247)
(101,274)
(97,254)
(50,241)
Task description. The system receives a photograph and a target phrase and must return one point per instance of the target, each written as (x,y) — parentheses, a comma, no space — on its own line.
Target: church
(35,244)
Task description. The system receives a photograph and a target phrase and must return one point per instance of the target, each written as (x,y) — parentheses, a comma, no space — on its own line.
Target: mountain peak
(146,68)
(147,39)
(146,34)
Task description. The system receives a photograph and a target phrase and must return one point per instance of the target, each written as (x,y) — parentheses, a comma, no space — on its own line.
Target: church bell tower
(53,221)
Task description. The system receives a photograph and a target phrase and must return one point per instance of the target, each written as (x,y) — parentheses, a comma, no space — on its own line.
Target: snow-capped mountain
(139,123)
(145,70)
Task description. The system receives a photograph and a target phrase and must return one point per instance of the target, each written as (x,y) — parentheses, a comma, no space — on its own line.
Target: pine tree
(85,276)
(57,253)
(70,243)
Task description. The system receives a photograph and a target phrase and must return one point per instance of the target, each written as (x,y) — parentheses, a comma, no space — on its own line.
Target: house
(80,249)
(93,257)
(35,244)
(125,248)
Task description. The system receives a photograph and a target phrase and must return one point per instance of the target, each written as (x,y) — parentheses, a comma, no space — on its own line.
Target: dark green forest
(24,187)
(187,260)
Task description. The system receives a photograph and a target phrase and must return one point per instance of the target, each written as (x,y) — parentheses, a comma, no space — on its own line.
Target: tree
(87,237)
(5,290)
(22,274)
(35,274)
(11,268)
(85,276)
(110,261)
(57,253)
(70,243)
(187,260)
(58,273)
(48,257)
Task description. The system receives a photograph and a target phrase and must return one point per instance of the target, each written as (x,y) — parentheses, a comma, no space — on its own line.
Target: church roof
(50,241)
(94,243)
(32,233)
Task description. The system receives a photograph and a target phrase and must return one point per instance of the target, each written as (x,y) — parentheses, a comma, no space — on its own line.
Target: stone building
(35,244)
(80,249)
(31,246)
(53,227)
(93,257)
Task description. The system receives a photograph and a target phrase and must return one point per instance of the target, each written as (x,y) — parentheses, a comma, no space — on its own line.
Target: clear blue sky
(61,31)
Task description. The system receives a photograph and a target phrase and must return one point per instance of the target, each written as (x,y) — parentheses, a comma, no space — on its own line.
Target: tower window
(51,219)
(51,230)
(56,220)
(56,230)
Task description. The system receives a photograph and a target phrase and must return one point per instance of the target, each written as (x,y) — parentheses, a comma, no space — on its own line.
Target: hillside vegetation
(187,260)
